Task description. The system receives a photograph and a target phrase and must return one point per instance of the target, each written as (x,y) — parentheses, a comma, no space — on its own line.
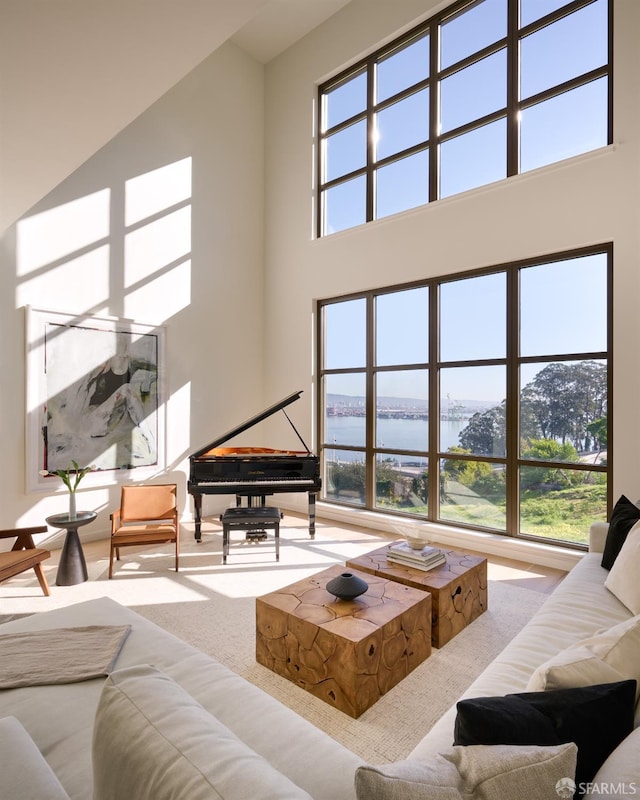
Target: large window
(478,400)
(482,91)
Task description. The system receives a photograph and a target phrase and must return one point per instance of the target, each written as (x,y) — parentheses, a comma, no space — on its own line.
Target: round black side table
(72,568)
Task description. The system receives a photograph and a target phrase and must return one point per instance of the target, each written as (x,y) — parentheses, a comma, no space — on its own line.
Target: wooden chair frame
(145,517)
(24,555)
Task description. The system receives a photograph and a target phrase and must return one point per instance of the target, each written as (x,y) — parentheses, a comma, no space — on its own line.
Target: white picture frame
(95,395)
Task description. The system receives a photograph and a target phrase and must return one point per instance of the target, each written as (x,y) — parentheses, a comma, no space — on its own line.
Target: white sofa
(579,607)
(172,722)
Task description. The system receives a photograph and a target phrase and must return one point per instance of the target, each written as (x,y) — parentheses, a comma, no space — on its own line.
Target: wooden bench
(24,555)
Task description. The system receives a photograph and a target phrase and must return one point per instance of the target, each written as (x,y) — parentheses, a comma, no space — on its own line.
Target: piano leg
(312,515)
(197,508)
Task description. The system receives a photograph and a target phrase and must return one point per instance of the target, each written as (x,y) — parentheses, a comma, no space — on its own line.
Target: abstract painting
(94,394)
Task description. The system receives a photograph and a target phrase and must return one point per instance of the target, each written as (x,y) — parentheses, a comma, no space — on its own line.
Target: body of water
(392,434)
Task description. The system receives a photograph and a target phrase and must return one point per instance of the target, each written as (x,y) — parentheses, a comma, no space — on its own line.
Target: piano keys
(253,472)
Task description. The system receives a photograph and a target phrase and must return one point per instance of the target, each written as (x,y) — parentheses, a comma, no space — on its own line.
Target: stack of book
(426,559)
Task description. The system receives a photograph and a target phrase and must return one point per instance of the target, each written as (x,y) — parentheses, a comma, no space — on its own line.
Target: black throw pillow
(597,718)
(623,517)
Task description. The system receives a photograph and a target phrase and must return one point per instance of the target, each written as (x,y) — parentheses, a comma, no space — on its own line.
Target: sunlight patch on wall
(56,280)
(178,439)
(115,260)
(157,190)
(161,296)
(156,245)
(56,233)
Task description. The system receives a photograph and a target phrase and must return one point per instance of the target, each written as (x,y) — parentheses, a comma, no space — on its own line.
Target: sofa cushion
(597,718)
(479,772)
(152,740)
(624,516)
(25,773)
(609,656)
(619,773)
(622,581)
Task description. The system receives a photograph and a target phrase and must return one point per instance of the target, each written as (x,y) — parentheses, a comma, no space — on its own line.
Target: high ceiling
(280,23)
(74,73)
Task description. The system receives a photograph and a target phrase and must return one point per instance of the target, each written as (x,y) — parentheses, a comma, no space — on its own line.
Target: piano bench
(250,519)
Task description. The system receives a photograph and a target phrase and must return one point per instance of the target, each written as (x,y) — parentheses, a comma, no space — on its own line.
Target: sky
(558,128)
(563,310)
(563,306)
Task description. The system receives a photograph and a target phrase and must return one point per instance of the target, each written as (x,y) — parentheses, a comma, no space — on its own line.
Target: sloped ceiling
(280,23)
(74,73)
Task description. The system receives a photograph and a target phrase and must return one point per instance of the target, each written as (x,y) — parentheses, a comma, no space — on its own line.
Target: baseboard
(542,553)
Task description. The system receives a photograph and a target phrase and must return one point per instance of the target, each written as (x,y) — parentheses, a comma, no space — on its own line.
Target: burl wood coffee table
(346,652)
(458,588)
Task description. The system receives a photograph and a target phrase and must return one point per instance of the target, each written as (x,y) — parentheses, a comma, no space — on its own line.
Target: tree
(479,476)
(549,450)
(485,432)
(599,431)
(561,402)
(348,477)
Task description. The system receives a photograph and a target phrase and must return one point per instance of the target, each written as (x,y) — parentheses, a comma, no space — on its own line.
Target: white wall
(238,341)
(203,281)
(589,199)
(74,73)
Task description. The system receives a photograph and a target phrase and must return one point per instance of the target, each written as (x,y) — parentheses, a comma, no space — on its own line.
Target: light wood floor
(527,575)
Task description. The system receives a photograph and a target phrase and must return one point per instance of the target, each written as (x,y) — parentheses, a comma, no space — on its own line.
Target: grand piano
(253,472)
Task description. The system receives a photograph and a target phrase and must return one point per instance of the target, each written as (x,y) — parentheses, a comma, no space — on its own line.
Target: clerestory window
(479,399)
(482,91)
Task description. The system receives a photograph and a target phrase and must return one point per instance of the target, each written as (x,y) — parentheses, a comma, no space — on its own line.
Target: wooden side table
(72,568)
(345,652)
(458,588)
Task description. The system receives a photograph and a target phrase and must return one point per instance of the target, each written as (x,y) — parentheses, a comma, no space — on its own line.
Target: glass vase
(72,505)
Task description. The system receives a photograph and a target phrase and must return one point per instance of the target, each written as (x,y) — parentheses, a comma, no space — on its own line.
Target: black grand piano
(253,472)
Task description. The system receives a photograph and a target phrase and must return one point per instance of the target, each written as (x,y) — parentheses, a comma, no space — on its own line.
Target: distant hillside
(463,404)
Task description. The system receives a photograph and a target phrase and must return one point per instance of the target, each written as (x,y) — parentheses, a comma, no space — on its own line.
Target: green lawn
(561,514)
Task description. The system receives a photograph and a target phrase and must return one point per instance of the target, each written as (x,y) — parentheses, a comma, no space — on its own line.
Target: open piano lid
(268,412)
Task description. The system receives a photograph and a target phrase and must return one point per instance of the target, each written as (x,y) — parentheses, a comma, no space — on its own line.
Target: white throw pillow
(608,656)
(481,772)
(153,741)
(25,773)
(622,580)
(619,774)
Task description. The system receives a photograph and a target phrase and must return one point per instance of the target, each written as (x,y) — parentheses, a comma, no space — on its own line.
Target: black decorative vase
(346,586)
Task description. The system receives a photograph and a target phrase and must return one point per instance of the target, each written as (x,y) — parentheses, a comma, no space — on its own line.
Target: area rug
(212,606)
(390,729)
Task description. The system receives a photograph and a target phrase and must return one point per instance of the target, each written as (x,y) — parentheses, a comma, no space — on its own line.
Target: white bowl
(415,544)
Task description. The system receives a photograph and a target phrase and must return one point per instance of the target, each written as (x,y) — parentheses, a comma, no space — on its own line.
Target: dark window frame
(512,362)
(510,112)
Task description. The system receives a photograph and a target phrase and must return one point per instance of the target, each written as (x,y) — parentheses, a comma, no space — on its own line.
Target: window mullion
(433,504)
(434,109)
(610,76)
(371,129)
(513,403)
(513,89)
(319,162)
(370,405)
